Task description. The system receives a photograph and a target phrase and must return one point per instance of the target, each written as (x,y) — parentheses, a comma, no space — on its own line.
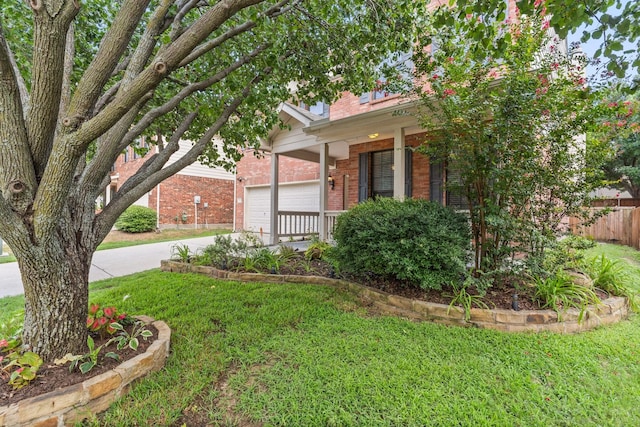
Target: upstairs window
(320,108)
(400,66)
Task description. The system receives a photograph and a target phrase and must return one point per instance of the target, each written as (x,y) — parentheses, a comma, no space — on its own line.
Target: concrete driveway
(109,263)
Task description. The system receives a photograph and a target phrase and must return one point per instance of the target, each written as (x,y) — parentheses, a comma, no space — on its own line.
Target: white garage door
(303,197)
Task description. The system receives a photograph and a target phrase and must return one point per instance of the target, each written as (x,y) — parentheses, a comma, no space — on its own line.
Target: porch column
(273,221)
(398,164)
(324,191)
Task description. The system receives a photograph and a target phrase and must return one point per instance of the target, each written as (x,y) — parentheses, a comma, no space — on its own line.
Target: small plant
(87,362)
(265,259)
(559,293)
(125,338)
(611,277)
(463,298)
(101,320)
(137,219)
(19,368)
(181,252)
(316,249)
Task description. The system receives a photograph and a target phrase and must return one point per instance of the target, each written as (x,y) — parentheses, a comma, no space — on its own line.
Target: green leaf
(117,326)
(146,333)
(133,343)
(86,367)
(112,355)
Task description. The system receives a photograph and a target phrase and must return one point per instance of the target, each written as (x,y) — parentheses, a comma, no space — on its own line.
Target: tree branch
(273,11)
(15,161)
(148,118)
(106,60)
(176,26)
(49,40)
(65,96)
(149,178)
(168,61)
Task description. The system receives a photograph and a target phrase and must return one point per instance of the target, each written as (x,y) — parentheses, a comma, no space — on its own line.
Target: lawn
(304,355)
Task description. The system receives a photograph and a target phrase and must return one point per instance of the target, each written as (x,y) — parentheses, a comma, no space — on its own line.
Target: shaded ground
(500,295)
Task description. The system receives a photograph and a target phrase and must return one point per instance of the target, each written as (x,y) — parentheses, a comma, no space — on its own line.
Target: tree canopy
(81,81)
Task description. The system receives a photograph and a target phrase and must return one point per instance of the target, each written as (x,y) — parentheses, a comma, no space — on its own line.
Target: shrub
(416,240)
(137,219)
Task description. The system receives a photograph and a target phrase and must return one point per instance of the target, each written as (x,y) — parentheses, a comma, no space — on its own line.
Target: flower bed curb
(612,309)
(72,404)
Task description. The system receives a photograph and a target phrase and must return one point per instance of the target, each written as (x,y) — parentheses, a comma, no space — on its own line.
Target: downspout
(235,199)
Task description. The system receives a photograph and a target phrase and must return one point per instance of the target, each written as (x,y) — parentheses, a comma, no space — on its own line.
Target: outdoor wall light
(373,135)
(332,182)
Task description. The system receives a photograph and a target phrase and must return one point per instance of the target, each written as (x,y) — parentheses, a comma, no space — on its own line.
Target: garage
(302,196)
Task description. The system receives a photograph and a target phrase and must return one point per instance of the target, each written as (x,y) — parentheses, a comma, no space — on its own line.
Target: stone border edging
(612,310)
(69,405)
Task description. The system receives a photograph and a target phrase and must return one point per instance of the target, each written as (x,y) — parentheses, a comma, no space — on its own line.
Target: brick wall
(349,105)
(176,198)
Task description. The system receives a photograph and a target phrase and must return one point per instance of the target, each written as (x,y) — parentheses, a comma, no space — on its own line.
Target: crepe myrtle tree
(510,117)
(82,80)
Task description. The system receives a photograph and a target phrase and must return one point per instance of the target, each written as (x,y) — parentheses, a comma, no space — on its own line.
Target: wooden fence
(621,226)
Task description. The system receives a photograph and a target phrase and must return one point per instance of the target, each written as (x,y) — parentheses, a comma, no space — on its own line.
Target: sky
(590,47)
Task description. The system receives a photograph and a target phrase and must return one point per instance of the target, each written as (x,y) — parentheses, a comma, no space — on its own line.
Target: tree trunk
(56,299)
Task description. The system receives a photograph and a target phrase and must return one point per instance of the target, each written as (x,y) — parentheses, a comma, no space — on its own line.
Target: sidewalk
(119,262)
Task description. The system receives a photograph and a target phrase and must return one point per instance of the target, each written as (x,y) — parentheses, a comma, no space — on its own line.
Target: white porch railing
(297,224)
(330,222)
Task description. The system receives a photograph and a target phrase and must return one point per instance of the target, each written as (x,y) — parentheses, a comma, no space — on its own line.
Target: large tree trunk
(56,299)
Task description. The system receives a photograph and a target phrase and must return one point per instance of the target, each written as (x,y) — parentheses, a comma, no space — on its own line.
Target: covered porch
(328,143)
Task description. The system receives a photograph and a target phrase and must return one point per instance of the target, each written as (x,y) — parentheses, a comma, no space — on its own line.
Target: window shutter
(435,182)
(408,162)
(363,177)
(364,98)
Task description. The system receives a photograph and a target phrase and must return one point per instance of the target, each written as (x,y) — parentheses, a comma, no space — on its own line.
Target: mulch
(51,377)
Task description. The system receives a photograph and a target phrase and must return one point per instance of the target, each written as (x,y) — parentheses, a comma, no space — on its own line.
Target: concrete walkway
(118,262)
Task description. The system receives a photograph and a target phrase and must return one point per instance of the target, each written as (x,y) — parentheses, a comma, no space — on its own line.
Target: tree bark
(56,299)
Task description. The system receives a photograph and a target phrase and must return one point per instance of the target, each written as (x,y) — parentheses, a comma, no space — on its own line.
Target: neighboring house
(197,196)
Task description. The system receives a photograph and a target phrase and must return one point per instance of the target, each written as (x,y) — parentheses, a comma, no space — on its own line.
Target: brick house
(197,196)
(328,158)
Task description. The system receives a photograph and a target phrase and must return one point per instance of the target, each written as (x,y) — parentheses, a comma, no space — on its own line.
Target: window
(126,154)
(382,174)
(375,174)
(319,108)
(399,64)
(439,176)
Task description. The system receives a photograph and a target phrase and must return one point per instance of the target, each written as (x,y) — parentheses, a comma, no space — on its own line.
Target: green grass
(296,355)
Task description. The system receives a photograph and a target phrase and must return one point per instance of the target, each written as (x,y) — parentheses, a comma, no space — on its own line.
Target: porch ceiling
(342,133)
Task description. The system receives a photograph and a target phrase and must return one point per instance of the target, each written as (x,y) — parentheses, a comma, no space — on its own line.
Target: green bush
(137,219)
(419,241)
